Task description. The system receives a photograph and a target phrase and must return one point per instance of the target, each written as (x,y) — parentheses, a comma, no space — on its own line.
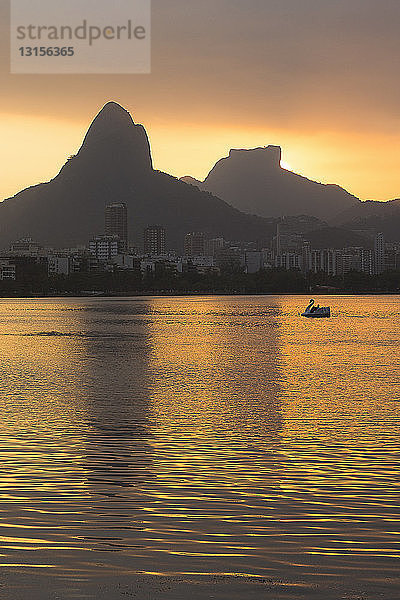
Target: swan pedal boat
(316,312)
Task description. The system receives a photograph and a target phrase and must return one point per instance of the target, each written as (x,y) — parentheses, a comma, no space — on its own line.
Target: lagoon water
(201,447)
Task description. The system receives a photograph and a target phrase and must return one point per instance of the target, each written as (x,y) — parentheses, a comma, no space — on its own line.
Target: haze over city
(318,78)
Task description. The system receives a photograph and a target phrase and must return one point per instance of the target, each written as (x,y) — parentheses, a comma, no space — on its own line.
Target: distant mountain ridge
(114,164)
(254,181)
(373,216)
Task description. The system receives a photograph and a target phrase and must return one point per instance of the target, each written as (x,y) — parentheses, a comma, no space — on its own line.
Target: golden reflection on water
(200,435)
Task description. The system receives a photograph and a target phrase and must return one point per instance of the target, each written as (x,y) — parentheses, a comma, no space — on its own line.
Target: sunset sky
(318,77)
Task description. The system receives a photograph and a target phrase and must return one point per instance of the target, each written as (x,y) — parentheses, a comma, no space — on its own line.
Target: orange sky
(319,78)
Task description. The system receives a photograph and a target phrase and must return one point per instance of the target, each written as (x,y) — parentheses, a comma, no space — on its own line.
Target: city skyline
(111,253)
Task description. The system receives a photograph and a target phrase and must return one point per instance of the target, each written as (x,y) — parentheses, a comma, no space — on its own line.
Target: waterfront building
(287,239)
(116,222)
(379,249)
(195,244)
(327,260)
(154,240)
(26,247)
(58,265)
(7,270)
(306,265)
(253,261)
(104,247)
(214,245)
(288,261)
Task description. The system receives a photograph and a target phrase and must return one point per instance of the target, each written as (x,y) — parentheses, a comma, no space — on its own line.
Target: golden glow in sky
(318,78)
(38,146)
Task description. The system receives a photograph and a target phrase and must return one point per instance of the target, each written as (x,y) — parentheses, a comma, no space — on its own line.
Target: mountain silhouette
(254,182)
(373,216)
(114,164)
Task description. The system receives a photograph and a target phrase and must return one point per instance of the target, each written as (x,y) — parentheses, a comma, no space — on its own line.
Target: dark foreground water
(212,447)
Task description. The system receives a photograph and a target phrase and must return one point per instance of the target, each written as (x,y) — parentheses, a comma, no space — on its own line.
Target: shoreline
(162,294)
